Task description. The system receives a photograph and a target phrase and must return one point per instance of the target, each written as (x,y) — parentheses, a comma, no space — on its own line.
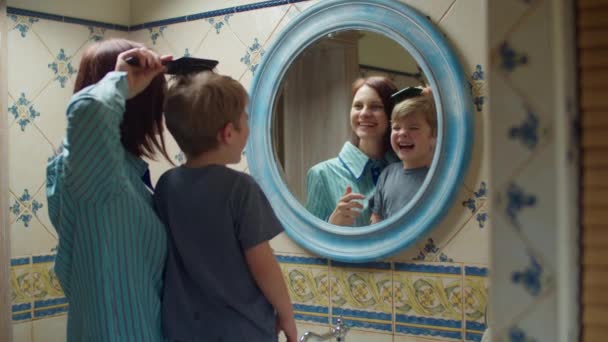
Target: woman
(112,246)
(338,190)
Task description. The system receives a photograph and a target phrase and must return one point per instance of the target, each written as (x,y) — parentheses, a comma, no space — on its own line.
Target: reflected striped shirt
(112,246)
(327,181)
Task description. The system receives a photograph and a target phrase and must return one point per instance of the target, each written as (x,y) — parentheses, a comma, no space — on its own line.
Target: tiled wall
(534,159)
(5,322)
(436,290)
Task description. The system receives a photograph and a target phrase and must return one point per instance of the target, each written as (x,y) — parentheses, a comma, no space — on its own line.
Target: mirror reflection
(355,141)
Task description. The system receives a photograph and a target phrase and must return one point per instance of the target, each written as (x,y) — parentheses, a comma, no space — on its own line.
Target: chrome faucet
(339,332)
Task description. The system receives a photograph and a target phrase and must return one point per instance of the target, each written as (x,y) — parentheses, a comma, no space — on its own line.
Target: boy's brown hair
(420,104)
(198,106)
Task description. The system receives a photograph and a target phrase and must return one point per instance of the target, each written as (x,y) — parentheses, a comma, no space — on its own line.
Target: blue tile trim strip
(54,17)
(259,5)
(311,308)
(365,324)
(286,259)
(428,268)
(38,259)
(22,307)
(211,14)
(22,312)
(476,271)
(50,312)
(402,329)
(435,322)
(473,337)
(475,326)
(163,22)
(22,317)
(20,261)
(309,318)
(169,21)
(39,304)
(373,265)
(378,316)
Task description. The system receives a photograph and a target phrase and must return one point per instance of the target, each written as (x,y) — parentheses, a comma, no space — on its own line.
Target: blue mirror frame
(428,46)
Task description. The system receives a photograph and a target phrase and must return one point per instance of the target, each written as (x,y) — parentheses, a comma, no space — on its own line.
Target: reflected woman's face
(367,117)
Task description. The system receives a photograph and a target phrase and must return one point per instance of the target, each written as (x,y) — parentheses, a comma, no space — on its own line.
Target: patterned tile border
(176,20)
(29,306)
(394,322)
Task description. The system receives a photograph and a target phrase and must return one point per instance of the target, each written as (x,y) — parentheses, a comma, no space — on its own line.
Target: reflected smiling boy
(413,138)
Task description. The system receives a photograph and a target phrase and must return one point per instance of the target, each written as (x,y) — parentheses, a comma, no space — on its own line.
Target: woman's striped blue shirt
(112,246)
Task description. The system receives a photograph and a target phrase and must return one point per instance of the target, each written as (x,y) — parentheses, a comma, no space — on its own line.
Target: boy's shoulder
(209,172)
(392,167)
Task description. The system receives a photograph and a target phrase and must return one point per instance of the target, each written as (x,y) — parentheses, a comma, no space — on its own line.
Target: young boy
(413,138)
(222,282)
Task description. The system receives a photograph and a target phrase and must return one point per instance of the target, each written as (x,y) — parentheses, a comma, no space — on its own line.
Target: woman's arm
(94,118)
(93,139)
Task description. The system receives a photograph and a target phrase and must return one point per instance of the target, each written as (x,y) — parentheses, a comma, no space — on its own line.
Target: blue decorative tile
(62,68)
(180,158)
(156,32)
(23,23)
(518,335)
(218,23)
(530,278)
(477,204)
(255,50)
(25,207)
(477,88)
(517,201)
(510,59)
(527,132)
(23,112)
(429,253)
(96,33)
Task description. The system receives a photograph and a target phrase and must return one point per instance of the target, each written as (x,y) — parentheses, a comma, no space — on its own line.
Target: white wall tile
(22,332)
(50,329)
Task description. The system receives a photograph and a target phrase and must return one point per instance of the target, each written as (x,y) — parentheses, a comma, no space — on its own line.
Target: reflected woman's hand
(348,209)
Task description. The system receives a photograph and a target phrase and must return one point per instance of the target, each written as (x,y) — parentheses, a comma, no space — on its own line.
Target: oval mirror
(308,118)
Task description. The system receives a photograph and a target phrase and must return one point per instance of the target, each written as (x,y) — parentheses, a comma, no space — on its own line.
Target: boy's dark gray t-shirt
(396,186)
(213,215)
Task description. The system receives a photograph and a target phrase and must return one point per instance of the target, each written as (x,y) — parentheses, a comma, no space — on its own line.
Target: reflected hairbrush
(183,65)
(406,93)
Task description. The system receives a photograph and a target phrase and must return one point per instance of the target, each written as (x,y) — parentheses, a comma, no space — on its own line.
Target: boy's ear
(225,133)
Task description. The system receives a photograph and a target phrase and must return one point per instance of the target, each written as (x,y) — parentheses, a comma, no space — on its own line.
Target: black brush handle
(135,62)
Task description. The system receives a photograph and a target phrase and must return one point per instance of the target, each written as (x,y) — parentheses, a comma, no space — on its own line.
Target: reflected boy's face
(413,141)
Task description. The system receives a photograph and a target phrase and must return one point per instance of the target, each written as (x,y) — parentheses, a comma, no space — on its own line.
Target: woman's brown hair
(384,87)
(141,130)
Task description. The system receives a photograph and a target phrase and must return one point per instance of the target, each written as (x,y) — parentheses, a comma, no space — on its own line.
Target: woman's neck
(373,149)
